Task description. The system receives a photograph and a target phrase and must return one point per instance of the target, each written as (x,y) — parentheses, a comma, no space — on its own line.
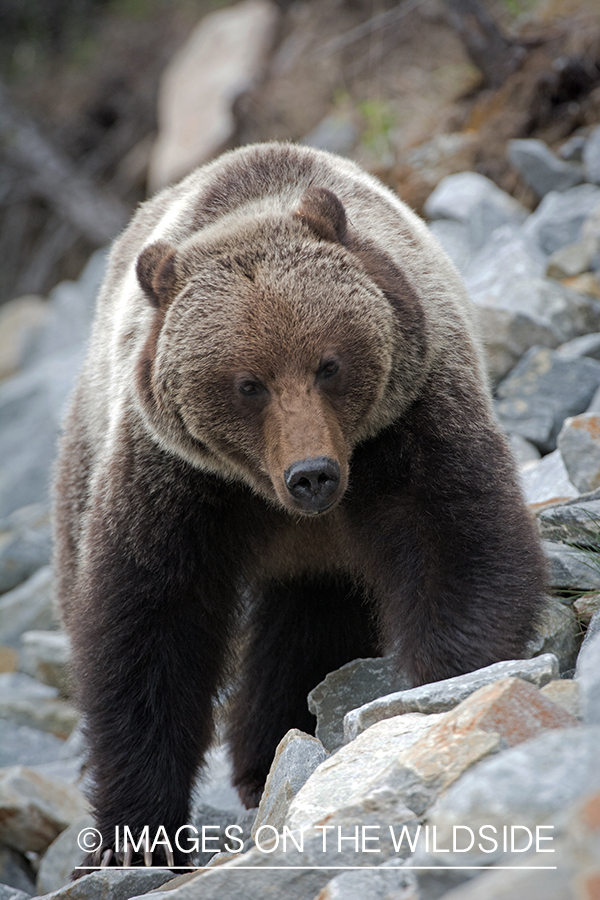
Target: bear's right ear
(324,213)
(156,274)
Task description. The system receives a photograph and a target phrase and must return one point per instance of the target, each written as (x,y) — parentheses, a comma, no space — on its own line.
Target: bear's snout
(313,483)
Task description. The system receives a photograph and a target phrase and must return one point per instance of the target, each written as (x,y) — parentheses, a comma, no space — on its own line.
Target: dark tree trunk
(495,55)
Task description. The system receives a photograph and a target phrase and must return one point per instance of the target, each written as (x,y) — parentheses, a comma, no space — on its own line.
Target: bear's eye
(250,388)
(328,369)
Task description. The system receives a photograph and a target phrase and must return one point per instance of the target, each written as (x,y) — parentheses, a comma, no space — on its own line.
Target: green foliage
(379,121)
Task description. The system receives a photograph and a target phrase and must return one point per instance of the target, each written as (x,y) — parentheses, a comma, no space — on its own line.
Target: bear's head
(279,341)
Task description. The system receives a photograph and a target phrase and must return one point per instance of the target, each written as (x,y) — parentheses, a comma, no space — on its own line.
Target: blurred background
(103,101)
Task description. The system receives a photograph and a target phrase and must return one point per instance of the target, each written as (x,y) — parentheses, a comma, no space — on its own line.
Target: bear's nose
(311,482)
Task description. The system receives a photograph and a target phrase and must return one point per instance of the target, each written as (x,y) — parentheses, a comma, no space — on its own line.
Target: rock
(558,219)
(573,148)
(557,633)
(530,784)
(584,284)
(505,712)
(215,788)
(348,687)
(31,408)
(297,756)
(222,58)
(28,746)
(112,884)
(579,444)
(71,307)
(9,659)
(523,450)
(62,856)
(54,716)
(20,321)
(586,606)
(541,391)
(34,810)
(454,238)
(45,655)
(343,781)
(444,695)
(586,345)
(509,253)
(27,607)
(591,157)
(10,893)
(540,168)
(546,480)
(594,404)
(386,882)
(25,544)
(570,568)
(475,201)
(566,312)
(507,335)
(214,821)
(573,522)
(15,872)
(588,674)
(566,262)
(565,693)
(336,133)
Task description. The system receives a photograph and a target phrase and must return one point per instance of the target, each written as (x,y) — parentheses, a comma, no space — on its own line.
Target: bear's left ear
(324,213)
(156,274)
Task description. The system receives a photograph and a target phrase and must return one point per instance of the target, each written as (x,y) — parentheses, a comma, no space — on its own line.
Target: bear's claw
(106,858)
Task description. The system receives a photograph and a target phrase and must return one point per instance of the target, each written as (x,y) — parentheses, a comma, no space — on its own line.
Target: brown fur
(277,310)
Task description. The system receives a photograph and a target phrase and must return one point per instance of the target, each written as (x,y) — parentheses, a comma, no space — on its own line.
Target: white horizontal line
(313,868)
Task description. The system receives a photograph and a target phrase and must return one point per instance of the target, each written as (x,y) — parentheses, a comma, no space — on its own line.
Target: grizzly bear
(283,421)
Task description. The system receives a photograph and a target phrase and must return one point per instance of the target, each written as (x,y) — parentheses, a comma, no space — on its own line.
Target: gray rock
(547,479)
(296,758)
(541,391)
(34,810)
(594,404)
(573,522)
(506,335)
(540,168)
(570,568)
(348,687)
(523,450)
(475,201)
(45,655)
(591,157)
(557,633)
(25,543)
(444,695)
(335,133)
(112,884)
(26,701)
(579,444)
(31,409)
(558,219)
(586,345)
(12,893)
(568,313)
(345,781)
(28,746)
(588,673)
(573,148)
(71,311)
(509,253)
(454,237)
(62,856)
(387,882)
(529,784)
(566,262)
(15,872)
(27,607)
(214,821)
(215,787)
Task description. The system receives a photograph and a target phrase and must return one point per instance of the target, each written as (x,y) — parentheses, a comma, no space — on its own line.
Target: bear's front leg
(154,599)
(445,541)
